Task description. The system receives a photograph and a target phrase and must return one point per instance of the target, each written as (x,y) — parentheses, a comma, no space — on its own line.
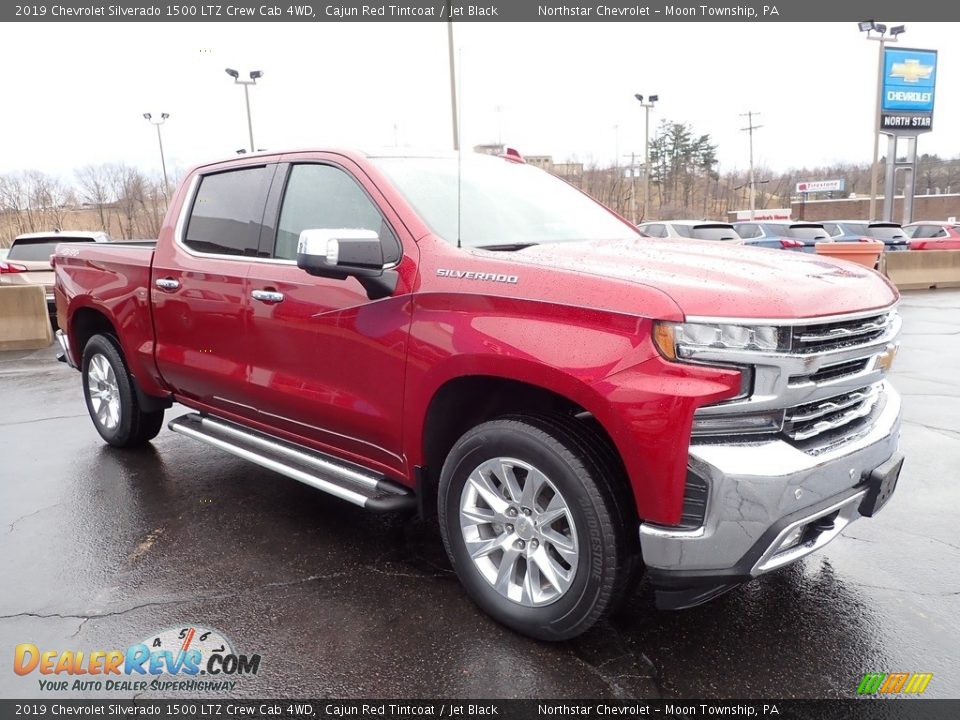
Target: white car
(27,262)
(695,229)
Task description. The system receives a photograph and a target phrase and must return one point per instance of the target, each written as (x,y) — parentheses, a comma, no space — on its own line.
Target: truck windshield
(503,204)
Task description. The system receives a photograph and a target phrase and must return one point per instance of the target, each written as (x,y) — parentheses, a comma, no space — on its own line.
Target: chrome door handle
(267,296)
(167,283)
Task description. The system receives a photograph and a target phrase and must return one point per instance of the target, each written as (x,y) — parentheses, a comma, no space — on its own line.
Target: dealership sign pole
(906,110)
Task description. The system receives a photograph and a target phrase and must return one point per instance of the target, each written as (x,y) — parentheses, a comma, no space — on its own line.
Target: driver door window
(324,196)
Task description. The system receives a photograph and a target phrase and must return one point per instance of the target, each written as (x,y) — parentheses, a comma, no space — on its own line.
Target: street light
(163,163)
(870,27)
(647,106)
(254,76)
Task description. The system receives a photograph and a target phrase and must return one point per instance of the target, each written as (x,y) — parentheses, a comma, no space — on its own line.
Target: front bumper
(762,498)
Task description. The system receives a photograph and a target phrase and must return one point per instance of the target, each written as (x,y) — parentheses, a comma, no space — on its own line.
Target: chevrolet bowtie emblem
(911,71)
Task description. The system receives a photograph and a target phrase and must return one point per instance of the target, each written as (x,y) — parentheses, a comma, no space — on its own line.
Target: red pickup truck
(475,338)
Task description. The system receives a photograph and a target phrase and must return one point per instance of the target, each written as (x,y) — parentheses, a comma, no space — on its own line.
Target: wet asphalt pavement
(100,548)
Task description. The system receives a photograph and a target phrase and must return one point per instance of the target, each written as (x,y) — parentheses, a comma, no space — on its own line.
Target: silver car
(692,229)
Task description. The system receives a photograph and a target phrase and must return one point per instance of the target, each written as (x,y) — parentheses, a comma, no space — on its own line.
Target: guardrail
(24,322)
(922,269)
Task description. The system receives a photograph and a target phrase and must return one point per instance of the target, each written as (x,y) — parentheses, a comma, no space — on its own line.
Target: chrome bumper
(759,493)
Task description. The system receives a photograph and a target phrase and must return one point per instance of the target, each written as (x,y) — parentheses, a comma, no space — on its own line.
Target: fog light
(793,538)
(737,423)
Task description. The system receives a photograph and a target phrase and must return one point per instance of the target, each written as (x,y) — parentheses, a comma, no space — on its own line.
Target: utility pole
(749,129)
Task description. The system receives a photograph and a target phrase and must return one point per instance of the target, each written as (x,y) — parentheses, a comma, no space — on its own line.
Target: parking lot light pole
(869,27)
(254,75)
(647,107)
(163,162)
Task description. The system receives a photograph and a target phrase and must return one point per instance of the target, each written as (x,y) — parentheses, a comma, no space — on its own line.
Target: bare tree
(95,189)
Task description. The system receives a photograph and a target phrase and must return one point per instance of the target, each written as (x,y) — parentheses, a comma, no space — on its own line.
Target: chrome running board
(348,482)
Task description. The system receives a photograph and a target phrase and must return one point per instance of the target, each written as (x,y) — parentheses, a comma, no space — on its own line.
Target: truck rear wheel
(111,397)
(534,525)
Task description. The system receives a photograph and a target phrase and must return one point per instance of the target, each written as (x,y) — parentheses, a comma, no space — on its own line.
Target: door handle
(167,283)
(267,296)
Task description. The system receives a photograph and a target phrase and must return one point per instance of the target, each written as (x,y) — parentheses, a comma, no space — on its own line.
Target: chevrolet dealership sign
(909,83)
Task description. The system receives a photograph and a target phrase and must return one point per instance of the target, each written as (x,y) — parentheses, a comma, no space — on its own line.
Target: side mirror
(347,252)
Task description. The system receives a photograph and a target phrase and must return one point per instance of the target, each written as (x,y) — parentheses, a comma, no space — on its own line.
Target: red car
(933,235)
(477,340)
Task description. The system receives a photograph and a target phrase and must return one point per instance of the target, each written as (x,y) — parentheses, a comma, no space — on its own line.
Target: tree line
(685,181)
(119,199)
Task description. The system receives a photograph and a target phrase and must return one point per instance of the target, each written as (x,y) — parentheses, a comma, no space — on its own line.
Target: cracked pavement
(99,548)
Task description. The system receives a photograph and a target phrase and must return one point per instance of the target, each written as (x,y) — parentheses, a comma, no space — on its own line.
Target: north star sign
(909,80)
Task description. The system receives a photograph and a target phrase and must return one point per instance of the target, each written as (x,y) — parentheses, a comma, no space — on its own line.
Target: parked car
(28,260)
(889,233)
(933,235)
(785,235)
(483,343)
(695,229)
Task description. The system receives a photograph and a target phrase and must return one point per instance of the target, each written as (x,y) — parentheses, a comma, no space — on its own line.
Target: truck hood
(723,280)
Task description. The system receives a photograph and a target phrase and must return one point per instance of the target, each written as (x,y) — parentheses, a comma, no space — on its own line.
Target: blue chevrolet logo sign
(909,80)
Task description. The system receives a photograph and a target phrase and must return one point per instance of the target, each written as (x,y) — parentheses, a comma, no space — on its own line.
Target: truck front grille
(811,419)
(821,337)
(833,372)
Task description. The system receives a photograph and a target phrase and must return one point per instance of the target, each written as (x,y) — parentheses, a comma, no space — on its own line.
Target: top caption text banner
(482,11)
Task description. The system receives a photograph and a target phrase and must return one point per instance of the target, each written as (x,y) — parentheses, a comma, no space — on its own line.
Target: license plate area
(880,486)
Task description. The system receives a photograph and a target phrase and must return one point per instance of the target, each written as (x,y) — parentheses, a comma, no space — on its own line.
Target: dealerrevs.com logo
(187,659)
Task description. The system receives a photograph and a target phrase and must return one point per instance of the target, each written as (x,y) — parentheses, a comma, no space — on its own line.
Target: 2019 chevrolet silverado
(477,340)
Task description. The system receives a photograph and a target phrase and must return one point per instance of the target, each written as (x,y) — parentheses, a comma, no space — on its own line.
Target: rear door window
(656,230)
(228,210)
(748,230)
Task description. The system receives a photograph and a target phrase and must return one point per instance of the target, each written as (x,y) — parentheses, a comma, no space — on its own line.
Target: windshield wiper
(507,246)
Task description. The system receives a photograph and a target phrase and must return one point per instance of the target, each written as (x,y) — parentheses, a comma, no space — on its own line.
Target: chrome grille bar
(807,421)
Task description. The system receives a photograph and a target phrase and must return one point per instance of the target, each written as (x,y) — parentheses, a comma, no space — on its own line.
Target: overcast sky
(75,93)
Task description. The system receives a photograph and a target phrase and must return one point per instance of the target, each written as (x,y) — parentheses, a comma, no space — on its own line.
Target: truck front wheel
(111,397)
(534,525)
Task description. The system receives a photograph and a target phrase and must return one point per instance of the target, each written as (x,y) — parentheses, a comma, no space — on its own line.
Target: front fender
(579,353)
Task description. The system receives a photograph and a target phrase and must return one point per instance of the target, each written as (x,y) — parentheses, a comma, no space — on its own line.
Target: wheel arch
(85,322)
(465,401)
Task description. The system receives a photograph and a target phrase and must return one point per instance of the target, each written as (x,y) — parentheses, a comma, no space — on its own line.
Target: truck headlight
(677,341)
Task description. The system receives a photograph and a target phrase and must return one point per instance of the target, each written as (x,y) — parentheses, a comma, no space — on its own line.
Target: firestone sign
(909,85)
(816,186)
